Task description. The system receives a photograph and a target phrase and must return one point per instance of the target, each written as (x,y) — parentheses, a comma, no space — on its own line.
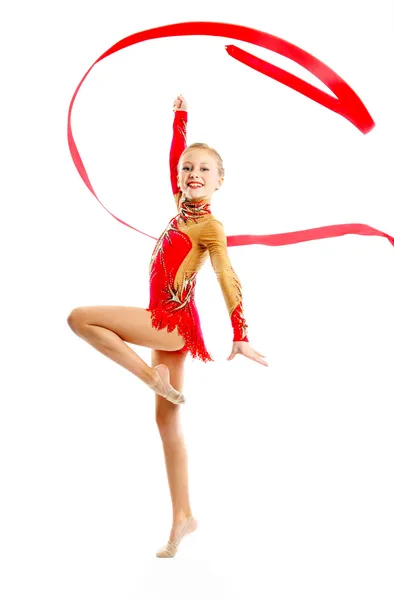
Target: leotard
(181,250)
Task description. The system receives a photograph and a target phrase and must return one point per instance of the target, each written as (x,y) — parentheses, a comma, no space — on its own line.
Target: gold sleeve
(214,239)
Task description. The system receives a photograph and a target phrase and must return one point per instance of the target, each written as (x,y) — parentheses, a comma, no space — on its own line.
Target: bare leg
(175,454)
(109,343)
(108,328)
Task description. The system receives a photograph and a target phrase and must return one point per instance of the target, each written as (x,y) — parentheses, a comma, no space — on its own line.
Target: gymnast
(170,326)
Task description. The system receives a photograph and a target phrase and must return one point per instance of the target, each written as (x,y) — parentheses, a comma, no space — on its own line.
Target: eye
(206,168)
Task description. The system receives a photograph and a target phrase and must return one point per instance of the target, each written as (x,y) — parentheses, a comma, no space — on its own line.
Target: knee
(75,319)
(168,423)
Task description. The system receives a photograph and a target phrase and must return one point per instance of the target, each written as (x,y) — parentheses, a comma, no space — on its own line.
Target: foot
(180,528)
(161,385)
(179,524)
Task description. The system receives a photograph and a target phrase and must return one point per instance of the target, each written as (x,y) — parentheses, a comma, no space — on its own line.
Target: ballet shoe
(171,548)
(164,388)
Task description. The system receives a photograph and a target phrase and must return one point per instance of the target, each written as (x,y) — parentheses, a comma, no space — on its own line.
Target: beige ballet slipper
(164,388)
(171,548)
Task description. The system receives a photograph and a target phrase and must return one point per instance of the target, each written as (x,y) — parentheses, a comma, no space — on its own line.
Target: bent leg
(110,328)
(132,324)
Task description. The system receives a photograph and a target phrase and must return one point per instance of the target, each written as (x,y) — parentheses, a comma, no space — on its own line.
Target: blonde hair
(215,154)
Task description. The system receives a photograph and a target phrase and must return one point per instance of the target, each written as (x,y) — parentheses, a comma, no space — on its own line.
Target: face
(199,165)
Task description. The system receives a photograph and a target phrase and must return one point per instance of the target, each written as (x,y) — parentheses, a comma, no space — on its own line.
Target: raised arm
(214,239)
(178,143)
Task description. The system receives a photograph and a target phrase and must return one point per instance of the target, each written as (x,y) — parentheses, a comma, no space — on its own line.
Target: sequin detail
(173,305)
(193,210)
(239,325)
(182,130)
(238,321)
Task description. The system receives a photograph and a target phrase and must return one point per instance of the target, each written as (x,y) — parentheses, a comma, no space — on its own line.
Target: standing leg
(175,454)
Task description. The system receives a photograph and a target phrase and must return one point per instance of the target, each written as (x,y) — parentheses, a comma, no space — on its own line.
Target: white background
(290,466)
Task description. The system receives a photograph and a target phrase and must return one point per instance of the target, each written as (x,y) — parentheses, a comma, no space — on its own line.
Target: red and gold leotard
(183,247)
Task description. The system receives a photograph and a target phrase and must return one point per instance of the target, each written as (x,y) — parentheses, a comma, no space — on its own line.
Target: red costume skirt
(186,320)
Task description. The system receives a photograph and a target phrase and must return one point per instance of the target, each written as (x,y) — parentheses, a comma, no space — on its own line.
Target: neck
(206,199)
(197,207)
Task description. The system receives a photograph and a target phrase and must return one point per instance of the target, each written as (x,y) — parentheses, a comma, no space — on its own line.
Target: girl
(171,325)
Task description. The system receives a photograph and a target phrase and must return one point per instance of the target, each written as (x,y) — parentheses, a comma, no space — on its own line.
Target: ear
(220,182)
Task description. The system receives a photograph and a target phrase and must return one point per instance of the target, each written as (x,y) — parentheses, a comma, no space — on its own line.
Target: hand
(179,103)
(246,349)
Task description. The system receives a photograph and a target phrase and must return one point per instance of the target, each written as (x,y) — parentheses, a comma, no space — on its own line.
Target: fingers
(256,359)
(260,360)
(252,354)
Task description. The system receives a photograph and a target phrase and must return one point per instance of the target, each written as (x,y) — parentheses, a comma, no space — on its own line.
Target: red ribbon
(346,103)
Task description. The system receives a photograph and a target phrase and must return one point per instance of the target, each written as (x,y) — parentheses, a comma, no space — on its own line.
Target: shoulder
(212,230)
(213,224)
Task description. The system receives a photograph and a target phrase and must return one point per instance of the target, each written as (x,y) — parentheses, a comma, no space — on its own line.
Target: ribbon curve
(346,103)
